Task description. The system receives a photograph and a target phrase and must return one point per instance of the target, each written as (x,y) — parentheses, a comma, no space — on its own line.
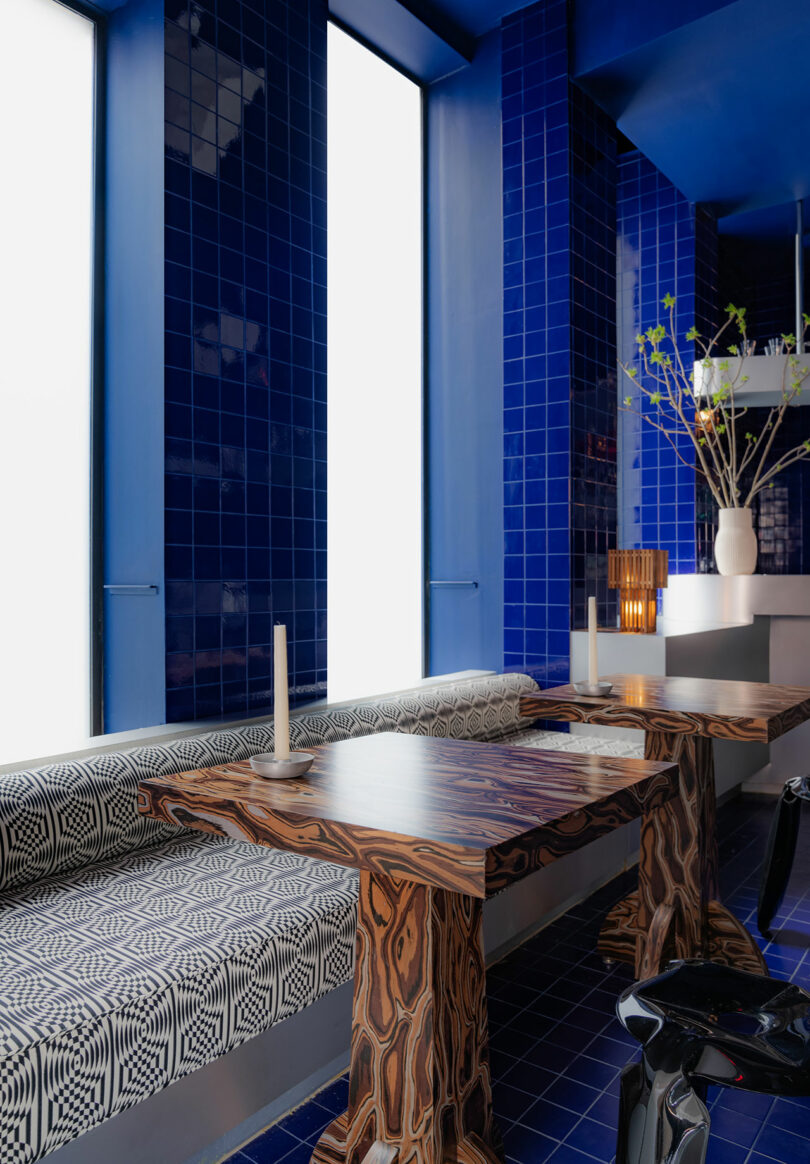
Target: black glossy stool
(701,1023)
(781,850)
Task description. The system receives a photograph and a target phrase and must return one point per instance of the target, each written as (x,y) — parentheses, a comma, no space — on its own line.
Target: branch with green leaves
(736,462)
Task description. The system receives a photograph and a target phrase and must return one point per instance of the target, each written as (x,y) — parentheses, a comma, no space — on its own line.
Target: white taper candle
(281,695)
(593,662)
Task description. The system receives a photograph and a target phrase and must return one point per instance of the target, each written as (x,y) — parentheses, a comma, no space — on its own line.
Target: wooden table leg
(678,869)
(419,1083)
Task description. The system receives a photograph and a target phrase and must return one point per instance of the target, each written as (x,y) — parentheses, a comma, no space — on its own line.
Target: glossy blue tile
(560,191)
(786,1147)
(227,251)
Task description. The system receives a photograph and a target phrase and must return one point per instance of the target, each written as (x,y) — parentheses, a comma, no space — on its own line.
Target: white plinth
(780,603)
(766,376)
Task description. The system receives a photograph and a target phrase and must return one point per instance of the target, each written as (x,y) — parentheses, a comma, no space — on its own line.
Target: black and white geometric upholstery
(583,745)
(120,979)
(132,953)
(64,817)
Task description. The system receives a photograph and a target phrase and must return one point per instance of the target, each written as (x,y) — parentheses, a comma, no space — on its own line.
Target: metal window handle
(143,591)
(471,583)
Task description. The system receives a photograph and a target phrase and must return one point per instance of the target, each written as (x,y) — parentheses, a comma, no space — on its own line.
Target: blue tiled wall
(245,279)
(665,244)
(593,346)
(537,355)
(559,354)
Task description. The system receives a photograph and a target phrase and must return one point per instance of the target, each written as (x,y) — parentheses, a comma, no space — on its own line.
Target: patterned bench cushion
(588,745)
(120,979)
(69,816)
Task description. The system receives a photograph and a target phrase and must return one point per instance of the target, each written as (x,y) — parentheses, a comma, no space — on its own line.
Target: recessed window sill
(161,733)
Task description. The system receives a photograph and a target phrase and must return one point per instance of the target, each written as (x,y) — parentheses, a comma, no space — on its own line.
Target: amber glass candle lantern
(637,575)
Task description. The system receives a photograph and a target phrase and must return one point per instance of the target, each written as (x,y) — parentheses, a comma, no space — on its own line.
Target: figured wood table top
(457,814)
(722,708)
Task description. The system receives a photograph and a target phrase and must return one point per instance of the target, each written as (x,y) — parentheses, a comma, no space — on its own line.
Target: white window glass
(47,63)
(375,374)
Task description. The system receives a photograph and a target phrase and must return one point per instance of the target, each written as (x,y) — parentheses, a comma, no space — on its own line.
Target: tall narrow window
(375,373)
(47,81)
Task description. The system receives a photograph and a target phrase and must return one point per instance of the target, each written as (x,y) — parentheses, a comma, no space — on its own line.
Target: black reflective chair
(700,1023)
(781,850)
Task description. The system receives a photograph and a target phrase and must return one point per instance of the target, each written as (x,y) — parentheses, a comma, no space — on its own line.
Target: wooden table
(681,915)
(434,826)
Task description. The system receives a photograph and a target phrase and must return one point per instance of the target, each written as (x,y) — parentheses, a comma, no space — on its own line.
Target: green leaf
(632,373)
(749,436)
(657,358)
(692,334)
(628,400)
(735,351)
(721,428)
(641,340)
(655,397)
(668,300)
(702,441)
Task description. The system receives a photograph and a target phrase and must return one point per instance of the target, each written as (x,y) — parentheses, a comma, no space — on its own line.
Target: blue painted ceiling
(479,16)
(715,92)
(720,104)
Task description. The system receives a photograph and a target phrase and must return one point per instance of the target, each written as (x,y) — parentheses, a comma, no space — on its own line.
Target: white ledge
(162,733)
(766,375)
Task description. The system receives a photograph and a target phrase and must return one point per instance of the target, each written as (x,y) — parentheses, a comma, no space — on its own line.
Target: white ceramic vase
(735,547)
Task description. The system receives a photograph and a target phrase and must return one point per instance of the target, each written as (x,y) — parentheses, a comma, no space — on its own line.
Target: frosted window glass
(46,259)
(375,574)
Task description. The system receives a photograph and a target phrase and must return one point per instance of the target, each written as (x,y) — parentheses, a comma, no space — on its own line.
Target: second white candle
(593,662)
(281,695)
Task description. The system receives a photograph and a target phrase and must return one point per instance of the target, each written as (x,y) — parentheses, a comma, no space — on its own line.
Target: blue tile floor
(557,1048)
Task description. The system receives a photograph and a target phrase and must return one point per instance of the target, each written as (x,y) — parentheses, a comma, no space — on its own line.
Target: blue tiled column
(665,244)
(559,347)
(245,279)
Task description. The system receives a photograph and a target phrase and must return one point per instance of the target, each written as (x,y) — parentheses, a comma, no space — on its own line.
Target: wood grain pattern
(380,1153)
(433,825)
(419,1078)
(658,947)
(455,814)
(678,866)
(473,1150)
(678,862)
(511,861)
(721,709)
(729,941)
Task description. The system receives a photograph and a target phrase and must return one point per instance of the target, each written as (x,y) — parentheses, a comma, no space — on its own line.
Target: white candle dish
(598,689)
(272,767)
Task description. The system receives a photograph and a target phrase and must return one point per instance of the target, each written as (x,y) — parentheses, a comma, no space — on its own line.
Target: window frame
(95,598)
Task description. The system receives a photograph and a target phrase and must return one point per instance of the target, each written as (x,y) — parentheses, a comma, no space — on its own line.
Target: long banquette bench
(133,953)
